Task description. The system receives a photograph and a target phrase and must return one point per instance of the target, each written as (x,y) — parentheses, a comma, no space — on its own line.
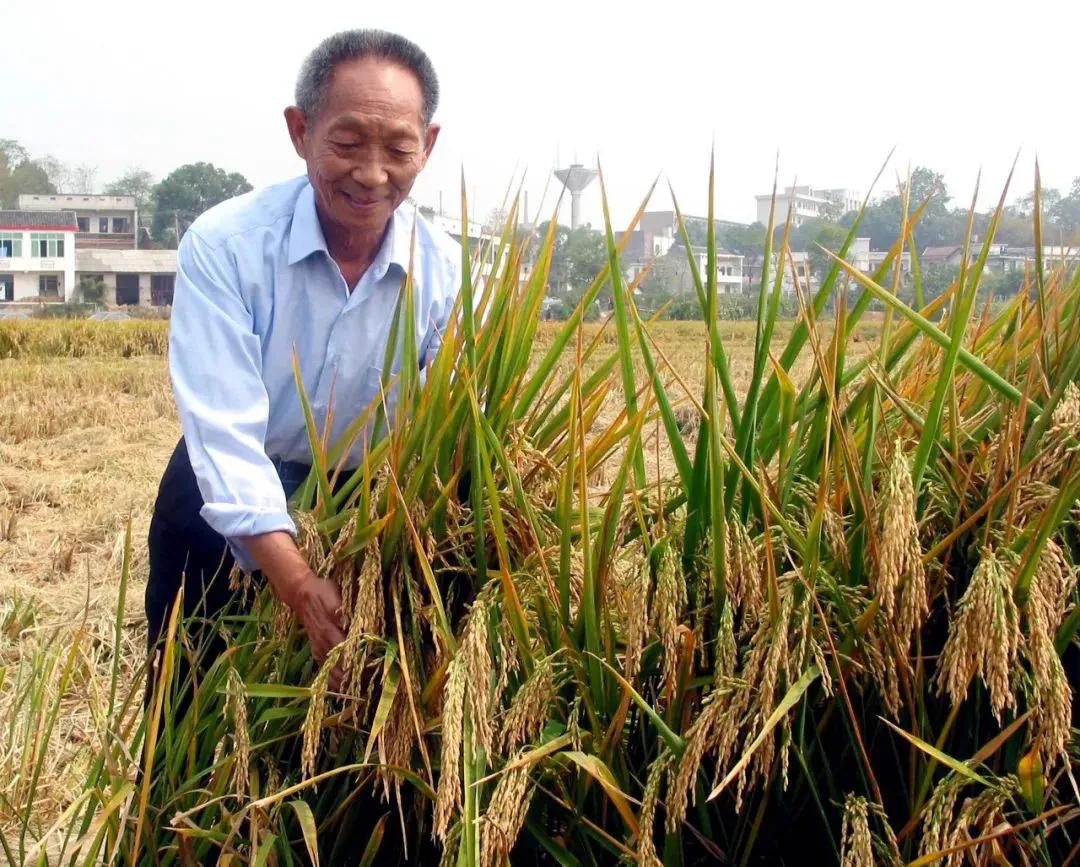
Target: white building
(103,221)
(806,203)
(37,255)
(795,266)
(729,269)
(859,254)
(137,278)
(877,258)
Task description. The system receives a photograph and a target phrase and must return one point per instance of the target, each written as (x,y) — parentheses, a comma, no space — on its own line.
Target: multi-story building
(37,255)
(104,222)
(657,236)
(795,265)
(729,268)
(77,247)
(806,203)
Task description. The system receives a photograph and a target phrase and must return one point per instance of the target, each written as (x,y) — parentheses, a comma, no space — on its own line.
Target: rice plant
(53,338)
(838,632)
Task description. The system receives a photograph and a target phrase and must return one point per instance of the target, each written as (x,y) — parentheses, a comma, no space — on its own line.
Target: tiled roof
(26,220)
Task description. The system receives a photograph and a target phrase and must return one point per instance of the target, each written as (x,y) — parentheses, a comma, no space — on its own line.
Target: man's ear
(296,121)
(430,137)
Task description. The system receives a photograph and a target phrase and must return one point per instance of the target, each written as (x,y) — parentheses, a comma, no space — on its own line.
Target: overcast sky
(831,85)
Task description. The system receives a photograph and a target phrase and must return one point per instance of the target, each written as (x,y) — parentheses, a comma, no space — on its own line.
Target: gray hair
(318,68)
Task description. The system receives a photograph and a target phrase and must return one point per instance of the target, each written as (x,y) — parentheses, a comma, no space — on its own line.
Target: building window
(121,224)
(161,289)
(127,289)
(10,245)
(103,225)
(7,287)
(47,245)
(84,223)
(48,286)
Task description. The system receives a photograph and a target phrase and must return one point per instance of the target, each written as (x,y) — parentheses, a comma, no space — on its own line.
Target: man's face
(367,144)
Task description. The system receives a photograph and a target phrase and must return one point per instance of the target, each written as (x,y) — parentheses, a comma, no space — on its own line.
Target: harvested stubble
(835,632)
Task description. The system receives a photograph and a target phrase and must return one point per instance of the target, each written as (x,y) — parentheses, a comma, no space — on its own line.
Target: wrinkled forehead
(373,89)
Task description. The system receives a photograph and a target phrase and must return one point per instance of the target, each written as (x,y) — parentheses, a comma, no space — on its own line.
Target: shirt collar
(397,244)
(306,236)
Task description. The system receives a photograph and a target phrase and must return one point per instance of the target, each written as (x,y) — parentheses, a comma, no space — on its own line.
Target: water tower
(575,178)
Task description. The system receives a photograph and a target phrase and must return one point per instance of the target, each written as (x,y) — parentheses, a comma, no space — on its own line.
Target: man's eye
(345,145)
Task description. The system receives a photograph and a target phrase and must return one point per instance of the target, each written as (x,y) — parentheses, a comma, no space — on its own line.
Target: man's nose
(370,172)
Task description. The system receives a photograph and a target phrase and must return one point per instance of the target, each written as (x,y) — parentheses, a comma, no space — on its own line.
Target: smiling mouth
(360,204)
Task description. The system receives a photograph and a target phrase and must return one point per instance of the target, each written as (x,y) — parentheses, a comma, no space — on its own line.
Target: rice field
(655,593)
(84,436)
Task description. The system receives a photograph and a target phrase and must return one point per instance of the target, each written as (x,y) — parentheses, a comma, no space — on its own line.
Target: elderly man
(315,264)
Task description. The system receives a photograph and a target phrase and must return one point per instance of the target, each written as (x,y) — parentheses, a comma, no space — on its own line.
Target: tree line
(166,207)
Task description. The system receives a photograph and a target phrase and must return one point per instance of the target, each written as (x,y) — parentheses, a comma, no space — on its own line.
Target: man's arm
(316,601)
(215,362)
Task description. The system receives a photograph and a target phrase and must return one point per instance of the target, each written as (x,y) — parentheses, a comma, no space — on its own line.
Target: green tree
(1049,199)
(20,174)
(744,240)
(832,211)
(188,191)
(939,226)
(830,237)
(802,237)
(138,183)
(664,281)
(1013,229)
(928,184)
(937,277)
(578,256)
(1060,214)
(1066,214)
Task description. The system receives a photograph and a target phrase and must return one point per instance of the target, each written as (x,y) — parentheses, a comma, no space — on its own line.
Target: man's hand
(315,600)
(318,605)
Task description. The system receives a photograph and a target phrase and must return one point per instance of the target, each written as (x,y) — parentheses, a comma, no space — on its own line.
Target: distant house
(729,268)
(131,278)
(1016,258)
(949,255)
(104,222)
(84,241)
(806,203)
(875,258)
(1000,258)
(37,255)
(796,266)
(657,236)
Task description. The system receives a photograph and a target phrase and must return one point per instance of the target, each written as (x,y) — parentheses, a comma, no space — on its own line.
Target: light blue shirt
(254,280)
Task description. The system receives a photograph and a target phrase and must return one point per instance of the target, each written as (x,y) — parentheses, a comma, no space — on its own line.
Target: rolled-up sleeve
(215,365)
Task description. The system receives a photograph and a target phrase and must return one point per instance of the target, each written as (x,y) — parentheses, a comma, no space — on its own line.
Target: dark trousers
(184,549)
